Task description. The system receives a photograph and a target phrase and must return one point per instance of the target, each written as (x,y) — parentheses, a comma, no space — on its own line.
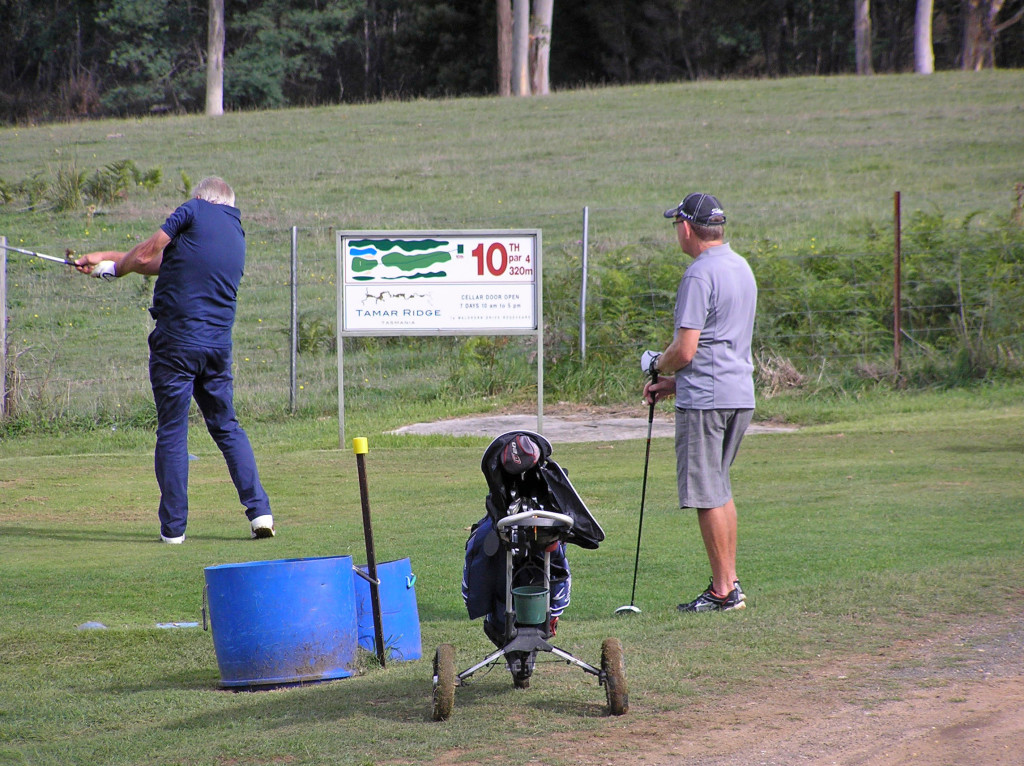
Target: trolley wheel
(522,669)
(614,669)
(444,682)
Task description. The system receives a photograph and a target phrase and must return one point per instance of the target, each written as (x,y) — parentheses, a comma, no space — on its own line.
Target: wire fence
(76,348)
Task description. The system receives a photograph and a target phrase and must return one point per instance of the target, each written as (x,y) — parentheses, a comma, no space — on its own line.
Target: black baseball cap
(698,208)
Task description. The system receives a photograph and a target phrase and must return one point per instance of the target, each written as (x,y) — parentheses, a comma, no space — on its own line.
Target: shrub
(68,188)
(71,189)
(316,335)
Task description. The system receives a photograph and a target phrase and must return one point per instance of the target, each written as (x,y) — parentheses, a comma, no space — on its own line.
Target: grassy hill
(804,164)
(790,158)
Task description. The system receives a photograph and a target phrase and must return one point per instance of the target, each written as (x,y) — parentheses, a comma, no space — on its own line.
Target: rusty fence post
(897,326)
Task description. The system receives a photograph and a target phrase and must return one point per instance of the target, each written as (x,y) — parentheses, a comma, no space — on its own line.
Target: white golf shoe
(262,527)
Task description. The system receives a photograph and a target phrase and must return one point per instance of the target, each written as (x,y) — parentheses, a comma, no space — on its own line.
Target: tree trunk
(540,46)
(521,47)
(371,52)
(974,35)
(862,35)
(924,53)
(981,31)
(504,8)
(215,59)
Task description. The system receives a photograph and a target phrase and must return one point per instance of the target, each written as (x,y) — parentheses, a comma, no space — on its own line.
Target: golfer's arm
(680,351)
(145,257)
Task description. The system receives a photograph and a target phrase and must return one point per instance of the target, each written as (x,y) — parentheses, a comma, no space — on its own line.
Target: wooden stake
(359,446)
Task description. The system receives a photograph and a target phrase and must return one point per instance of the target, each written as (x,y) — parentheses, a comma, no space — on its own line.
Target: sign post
(439,283)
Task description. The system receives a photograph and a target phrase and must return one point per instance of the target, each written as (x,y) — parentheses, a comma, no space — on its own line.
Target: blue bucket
(282,622)
(399,615)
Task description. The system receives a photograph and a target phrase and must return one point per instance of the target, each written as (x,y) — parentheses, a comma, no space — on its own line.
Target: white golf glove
(104,270)
(649,361)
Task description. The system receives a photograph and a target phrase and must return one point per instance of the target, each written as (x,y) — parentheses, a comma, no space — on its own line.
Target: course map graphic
(373,259)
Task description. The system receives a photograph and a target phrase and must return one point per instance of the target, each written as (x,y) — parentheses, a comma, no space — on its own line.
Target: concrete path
(578,428)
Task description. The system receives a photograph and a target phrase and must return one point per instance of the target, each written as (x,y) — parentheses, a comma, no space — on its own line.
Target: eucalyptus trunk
(981,30)
(521,47)
(504,15)
(924,53)
(540,46)
(862,35)
(215,59)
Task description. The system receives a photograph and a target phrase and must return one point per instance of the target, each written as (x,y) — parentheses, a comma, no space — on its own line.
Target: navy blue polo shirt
(195,294)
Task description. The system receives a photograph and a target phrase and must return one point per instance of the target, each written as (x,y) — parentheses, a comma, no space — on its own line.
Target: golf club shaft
(53,258)
(643,492)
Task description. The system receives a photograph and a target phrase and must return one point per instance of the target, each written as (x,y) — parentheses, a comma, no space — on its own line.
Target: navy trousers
(179,373)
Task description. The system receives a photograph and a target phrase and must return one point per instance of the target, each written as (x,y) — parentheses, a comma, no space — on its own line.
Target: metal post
(897,328)
(583,286)
(540,333)
(293,382)
(340,319)
(3,328)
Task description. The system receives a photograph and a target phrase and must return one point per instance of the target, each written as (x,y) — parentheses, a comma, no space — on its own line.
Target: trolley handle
(537,519)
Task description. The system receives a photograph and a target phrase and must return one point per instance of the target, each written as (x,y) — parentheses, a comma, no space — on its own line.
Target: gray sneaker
(739,590)
(709,601)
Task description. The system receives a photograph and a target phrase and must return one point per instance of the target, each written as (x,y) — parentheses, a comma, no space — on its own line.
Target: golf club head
(629,609)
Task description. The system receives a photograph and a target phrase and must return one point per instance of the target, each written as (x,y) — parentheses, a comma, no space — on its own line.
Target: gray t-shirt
(718,296)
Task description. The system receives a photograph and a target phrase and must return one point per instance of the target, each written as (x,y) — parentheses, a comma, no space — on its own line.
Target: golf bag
(516,575)
(521,476)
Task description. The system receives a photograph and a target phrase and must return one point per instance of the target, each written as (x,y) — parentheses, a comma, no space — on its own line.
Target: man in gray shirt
(708,368)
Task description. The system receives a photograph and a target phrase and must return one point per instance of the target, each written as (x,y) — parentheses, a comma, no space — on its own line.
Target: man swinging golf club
(198,257)
(708,368)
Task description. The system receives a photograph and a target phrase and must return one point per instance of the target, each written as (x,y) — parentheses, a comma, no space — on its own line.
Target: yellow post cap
(359,445)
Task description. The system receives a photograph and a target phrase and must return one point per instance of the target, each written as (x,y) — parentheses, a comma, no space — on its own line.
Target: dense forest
(81,58)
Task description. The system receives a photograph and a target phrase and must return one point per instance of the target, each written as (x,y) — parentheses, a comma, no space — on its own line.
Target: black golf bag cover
(543,486)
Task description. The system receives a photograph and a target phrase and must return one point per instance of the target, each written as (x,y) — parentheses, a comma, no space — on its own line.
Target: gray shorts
(706,445)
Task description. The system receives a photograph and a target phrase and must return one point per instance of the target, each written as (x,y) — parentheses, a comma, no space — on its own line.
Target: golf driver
(103,270)
(632,608)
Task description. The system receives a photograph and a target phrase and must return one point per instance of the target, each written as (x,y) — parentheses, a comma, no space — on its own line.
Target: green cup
(531,604)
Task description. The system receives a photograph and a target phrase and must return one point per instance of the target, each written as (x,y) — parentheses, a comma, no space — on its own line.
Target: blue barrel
(399,614)
(282,622)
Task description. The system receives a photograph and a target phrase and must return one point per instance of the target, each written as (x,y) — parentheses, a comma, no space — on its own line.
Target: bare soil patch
(566,422)
(956,700)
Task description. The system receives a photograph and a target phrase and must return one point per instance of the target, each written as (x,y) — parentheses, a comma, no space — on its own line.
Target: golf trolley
(532,512)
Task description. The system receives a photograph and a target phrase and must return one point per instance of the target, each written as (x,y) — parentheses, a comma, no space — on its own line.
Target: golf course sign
(446,283)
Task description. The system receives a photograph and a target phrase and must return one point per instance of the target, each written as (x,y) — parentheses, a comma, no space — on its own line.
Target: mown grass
(881,526)
(797,162)
(795,158)
(882,493)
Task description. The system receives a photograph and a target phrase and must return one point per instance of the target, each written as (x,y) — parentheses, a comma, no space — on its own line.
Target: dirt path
(954,701)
